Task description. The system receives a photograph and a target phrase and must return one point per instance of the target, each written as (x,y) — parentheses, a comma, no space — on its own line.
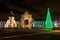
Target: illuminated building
(38,24)
(11,23)
(26,20)
(57,23)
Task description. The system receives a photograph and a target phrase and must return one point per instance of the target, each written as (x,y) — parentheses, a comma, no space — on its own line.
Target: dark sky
(37,8)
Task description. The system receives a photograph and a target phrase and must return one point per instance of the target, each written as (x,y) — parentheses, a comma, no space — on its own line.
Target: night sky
(37,8)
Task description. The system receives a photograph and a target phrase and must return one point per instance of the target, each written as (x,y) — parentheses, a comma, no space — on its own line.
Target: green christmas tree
(48,23)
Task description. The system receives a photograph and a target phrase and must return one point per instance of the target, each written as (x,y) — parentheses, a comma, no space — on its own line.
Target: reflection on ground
(26,34)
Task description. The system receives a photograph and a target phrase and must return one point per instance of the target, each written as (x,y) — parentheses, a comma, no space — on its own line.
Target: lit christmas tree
(48,23)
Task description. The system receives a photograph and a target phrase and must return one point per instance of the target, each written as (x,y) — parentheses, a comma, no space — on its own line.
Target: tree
(48,23)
